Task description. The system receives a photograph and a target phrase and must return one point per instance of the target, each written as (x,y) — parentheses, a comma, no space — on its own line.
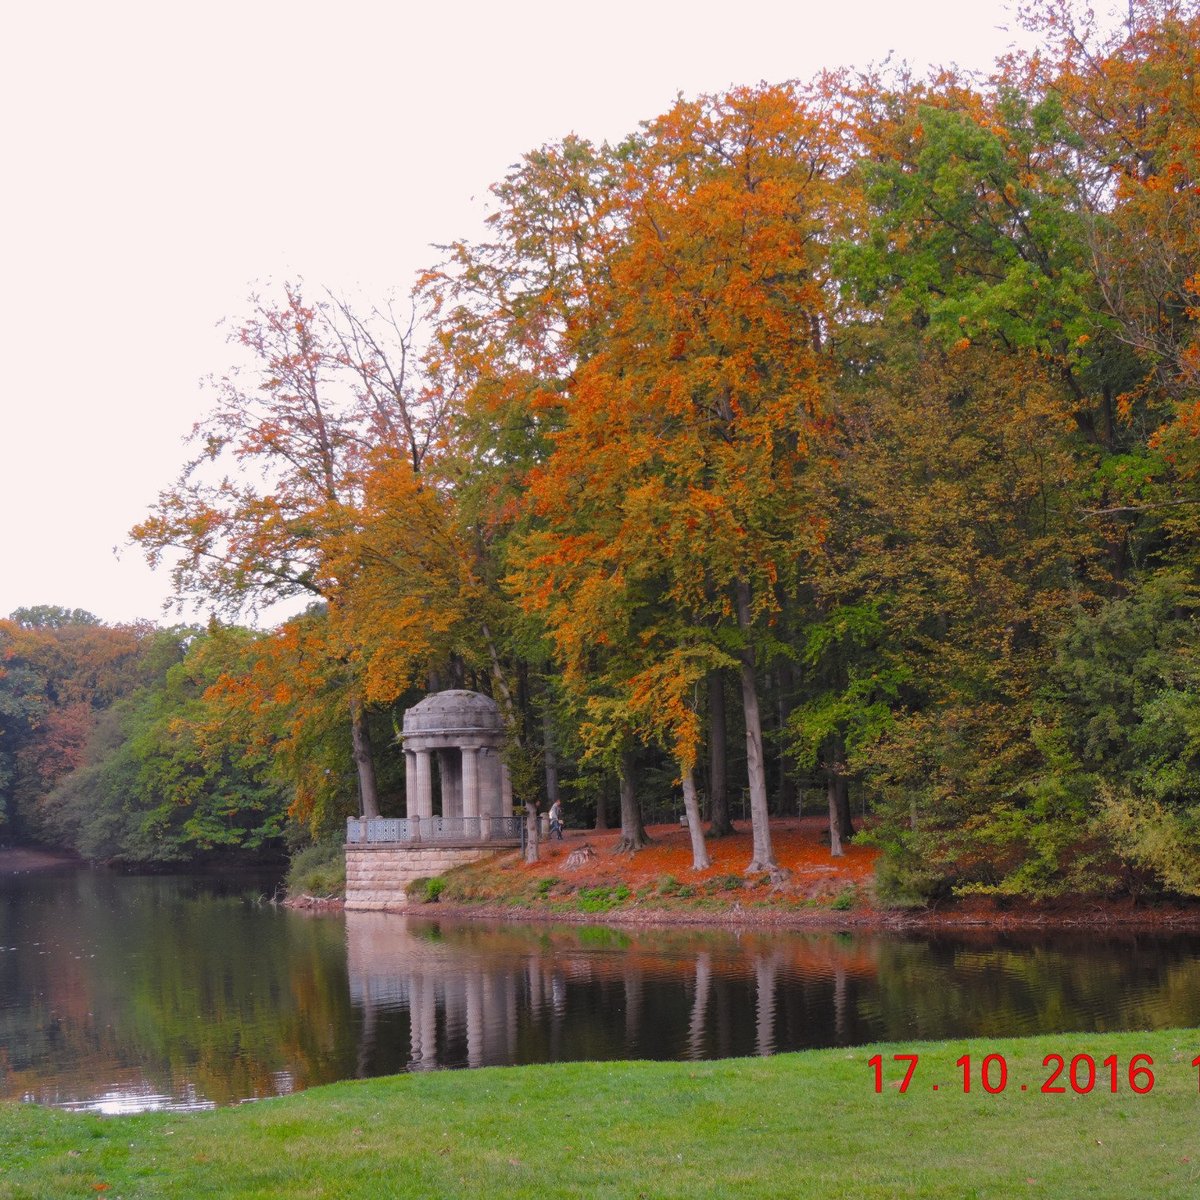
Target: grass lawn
(807,1124)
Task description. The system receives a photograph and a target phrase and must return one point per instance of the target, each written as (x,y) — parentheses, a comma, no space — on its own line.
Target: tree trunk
(549,758)
(718,771)
(500,681)
(835,833)
(788,794)
(633,832)
(531,833)
(838,789)
(845,817)
(763,858)
(691,806)
(601,810)
(360,741)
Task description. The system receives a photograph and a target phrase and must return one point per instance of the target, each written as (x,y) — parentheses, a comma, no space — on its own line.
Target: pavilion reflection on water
(435,994)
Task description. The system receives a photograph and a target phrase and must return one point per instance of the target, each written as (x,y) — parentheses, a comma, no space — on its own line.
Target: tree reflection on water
(124,993)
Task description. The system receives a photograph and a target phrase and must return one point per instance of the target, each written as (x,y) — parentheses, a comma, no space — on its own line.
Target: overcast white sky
(160,158)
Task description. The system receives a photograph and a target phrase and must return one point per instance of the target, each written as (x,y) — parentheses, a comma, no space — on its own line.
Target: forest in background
(832,437)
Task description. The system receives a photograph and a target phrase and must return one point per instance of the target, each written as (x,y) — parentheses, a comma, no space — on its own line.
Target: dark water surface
(119,994)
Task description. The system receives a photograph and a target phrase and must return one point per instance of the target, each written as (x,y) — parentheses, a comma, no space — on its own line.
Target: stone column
(410,783)
(451,772)
(470,785)
(425,788)
(470,781)
(506,797)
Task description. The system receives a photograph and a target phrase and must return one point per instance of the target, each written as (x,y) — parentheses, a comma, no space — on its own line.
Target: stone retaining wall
(377,875)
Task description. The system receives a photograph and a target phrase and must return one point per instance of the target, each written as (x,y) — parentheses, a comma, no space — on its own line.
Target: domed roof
(456,712)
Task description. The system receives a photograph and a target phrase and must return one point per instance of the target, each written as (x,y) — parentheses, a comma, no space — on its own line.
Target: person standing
(556,825)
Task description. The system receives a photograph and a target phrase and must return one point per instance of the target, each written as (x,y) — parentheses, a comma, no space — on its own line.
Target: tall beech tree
(688,439)
(267,506)
(725,279)
(514,315)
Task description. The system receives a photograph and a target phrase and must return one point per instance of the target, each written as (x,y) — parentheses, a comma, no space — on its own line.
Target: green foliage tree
(59,669)
(1124,701)
(164,778)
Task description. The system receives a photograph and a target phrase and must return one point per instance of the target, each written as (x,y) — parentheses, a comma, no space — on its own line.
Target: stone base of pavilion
(452,753)
(385,855)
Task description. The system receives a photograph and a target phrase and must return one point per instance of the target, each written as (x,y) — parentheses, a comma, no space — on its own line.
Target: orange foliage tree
(267,508)
(685,485)
(515,314)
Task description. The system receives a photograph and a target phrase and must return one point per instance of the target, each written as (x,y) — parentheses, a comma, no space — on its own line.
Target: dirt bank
(18,861)
(657,886)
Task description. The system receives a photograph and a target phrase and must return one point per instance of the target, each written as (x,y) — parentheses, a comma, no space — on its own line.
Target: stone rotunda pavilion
(465,731)
(459,803)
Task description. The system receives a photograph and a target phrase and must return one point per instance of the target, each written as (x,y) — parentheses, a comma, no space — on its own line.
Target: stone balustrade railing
(455,830)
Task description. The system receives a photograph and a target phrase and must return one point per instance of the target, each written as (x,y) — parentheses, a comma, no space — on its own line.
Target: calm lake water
(119,994)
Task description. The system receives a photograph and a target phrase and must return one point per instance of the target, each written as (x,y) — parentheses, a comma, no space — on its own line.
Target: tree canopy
(867,404)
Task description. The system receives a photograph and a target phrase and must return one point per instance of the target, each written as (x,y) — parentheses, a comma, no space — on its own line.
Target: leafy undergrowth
(318,871)
(660,878)
(807,1124)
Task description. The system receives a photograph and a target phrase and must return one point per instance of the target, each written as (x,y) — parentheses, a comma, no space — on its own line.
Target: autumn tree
(514,315)
(267,506)
(163,777)
(59,670)
(679,488)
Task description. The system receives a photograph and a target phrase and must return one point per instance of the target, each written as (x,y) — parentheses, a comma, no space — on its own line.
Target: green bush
(601,899)
(668,885)
(424,889)
(544,886)
(902,882)
(318,870)
(725,883)
(844,901)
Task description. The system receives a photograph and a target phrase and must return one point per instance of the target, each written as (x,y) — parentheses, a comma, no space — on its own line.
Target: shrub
(725,883)
(902,882)
(844,900)
(544,886)
(424,889)
(668,885)
(318,870)
(601,899)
